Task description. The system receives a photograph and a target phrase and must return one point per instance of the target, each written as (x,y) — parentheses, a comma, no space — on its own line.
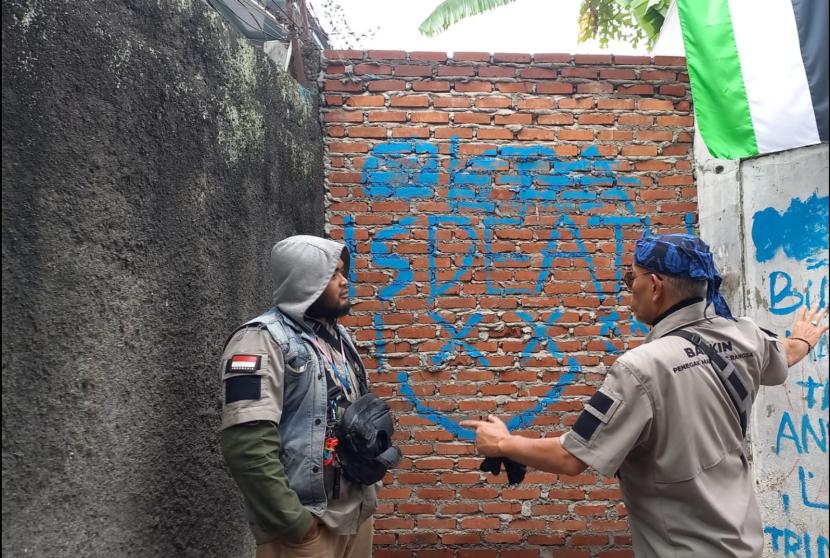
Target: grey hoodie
(301,267)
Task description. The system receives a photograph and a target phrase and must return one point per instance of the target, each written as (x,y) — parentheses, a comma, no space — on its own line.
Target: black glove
(515,471)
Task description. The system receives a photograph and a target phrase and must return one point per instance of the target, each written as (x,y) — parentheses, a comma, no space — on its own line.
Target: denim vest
(303,425)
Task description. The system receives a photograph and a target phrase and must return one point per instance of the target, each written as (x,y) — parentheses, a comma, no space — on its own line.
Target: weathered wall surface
(492,203)
(150,159)
(777,264)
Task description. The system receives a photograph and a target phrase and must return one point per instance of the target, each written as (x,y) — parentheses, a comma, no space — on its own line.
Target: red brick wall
(491,203)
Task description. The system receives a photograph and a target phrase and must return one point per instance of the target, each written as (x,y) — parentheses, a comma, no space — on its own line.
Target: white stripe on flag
(774,75)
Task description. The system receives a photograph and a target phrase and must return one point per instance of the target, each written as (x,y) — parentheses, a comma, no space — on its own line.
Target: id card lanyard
(329,449)
(343,377)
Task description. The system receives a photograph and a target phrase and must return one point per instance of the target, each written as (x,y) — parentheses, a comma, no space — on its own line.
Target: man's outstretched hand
(489,433)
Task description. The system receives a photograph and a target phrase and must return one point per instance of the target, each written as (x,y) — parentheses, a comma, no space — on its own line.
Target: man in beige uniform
(664,421)
(286,376)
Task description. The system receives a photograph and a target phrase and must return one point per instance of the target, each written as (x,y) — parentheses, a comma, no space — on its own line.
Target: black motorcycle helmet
(365,449)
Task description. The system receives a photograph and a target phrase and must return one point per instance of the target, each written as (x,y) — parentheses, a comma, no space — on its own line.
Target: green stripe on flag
(718,91)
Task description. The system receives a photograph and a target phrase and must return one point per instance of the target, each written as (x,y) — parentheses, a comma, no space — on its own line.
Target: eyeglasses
(629,277)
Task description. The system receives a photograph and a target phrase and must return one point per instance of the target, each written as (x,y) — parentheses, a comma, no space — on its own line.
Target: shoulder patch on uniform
(598,410)
(586,425)
(241,388)
(768,332)
(243,363)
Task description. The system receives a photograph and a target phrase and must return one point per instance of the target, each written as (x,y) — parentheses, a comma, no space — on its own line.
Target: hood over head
(301,267)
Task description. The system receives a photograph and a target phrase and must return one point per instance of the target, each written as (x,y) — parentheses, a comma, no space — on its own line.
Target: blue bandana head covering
(683,255)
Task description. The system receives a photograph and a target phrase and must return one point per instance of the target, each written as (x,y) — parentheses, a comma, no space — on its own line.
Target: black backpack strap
(727,374)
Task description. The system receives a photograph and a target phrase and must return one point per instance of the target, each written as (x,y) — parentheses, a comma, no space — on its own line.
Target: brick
(586,73)
(420,133)
(473,86)
(387,116)
(515,118)
(387,85)
(452,102)
(558,58)
(554,88)
(496,72)
(511,57)
(335,69)
(639,89)
(434,117)
(615,135)
(538,73)
(386,55)
(430,85)
(411,70)
(494,102)
(409,101)
(661,105)
(669,61)
(577,103)
(593,59)
(654,135)
(675,121)
(373,68)
(635,120)
(343,85)
(494,133)
(535,103)
(615,104)
(562,119)
(453,132)
(471,118)
(367,132)
(595,87)
(425,56)
(343,54)
(456,71)
(673,90)
(628,60)
(657,75)
(639,151)
(575,135)
(617,73)
(366,101)
(343,116)
(595,118)
(516,87)
(348,147)
(471,56)
(535,134)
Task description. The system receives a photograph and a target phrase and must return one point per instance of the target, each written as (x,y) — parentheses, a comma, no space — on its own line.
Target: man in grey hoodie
(287,376)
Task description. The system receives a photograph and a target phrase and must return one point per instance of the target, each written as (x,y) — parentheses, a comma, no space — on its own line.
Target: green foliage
(631,21)
(450,12)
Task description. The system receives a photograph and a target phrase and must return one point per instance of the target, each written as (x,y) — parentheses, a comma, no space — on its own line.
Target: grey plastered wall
(150,159)
(766,219)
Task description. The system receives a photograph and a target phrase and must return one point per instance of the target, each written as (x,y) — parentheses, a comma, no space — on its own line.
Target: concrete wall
(777,263)
(150,159)
(492,202)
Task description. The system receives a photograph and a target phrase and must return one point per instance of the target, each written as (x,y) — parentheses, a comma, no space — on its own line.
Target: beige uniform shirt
(355,503)
(663,421)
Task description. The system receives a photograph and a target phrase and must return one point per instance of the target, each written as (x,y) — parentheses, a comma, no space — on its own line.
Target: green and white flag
(759,73)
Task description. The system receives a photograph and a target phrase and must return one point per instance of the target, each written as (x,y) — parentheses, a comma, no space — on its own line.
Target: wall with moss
(150,159)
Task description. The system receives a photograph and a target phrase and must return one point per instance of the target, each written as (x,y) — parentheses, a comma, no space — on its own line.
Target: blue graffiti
(499,188)
(797,545)
(801,231)
(803,477)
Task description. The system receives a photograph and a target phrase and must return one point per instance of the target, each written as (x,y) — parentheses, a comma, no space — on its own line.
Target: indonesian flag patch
(239,364)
